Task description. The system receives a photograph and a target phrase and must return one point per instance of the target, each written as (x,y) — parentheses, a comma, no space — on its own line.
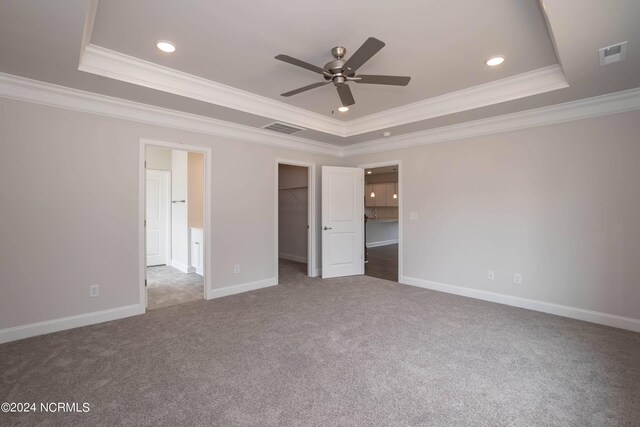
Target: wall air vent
(283,128)
(611,54)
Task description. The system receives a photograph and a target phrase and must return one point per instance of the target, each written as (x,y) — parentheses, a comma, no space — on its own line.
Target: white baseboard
(242,287)
(545,307)
(291,257)
(48,326)
(198,271)
(182,267)
(381,243)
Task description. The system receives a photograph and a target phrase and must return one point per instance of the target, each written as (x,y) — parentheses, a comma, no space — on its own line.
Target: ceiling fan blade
(362,55)
(293,61)
(382,80)
(346,97)
(305,88)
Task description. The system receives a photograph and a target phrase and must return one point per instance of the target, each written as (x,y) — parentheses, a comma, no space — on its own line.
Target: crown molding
(23,89)
(519,86)
(109,63)
(618,102)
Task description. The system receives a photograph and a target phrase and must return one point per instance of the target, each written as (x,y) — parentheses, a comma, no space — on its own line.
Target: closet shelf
(292,188)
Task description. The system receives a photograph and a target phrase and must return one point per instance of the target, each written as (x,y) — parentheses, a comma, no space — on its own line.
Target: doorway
(382,220)
(295,218)
(175,216)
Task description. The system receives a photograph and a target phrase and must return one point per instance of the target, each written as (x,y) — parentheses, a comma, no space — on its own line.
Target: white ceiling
(442,44)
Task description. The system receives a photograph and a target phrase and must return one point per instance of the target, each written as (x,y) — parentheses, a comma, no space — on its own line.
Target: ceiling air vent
(283,128)
(611,54)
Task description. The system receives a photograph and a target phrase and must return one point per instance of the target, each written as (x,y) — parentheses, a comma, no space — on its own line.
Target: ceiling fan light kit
(340,71)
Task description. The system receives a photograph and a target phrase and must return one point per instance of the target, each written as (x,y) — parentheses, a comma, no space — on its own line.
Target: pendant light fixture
(373,194)
(395,193)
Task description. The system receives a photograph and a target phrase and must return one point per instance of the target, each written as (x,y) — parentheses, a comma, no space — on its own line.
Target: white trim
(207,229)
(311,212)
(89,21)
(397,163)
(291,257)
(531,83)
(182,267)
(109,63)
(602,105)
(243,287)
(530,304)
(381,243)
(28,90)
(48,326)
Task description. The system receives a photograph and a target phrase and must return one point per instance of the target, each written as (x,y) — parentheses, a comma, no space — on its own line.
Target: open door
(157,216)
(342,221)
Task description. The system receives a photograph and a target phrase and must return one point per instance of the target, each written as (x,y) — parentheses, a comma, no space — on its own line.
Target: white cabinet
(197,250)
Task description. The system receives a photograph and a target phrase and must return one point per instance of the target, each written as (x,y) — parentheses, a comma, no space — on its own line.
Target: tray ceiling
(224,67)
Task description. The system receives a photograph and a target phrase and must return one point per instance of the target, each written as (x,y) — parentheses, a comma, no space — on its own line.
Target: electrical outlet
(491,275)
(94,291)
(413,216)
(236,268)
(517,279)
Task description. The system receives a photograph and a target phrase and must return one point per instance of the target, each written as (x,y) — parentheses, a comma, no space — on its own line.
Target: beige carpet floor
(350,351)
(167,286)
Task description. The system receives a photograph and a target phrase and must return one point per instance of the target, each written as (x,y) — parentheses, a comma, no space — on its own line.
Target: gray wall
(380,232)
(559,204)
(69,207)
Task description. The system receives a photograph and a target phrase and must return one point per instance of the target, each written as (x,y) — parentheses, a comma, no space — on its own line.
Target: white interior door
(342,221)
(157,217)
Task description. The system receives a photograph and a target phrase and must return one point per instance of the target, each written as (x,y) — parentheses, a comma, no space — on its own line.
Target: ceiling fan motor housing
(338,73)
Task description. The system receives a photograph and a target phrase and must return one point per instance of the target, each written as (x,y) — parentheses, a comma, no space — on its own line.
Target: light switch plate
(413,216)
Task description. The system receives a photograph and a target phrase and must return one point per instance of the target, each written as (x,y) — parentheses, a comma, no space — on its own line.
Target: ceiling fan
(339,71)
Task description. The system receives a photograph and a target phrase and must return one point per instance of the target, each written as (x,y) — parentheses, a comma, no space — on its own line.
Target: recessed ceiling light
(368,172)
(343,109)
(385,134)
(166,46)
(496,60)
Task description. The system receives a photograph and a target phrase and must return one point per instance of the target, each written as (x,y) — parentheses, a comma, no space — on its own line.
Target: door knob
(327,228)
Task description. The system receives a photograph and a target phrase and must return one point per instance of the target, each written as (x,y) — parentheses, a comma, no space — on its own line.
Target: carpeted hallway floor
(350,351)
(168,286)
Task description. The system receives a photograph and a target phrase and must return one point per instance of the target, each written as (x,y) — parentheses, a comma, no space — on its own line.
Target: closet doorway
(295,218)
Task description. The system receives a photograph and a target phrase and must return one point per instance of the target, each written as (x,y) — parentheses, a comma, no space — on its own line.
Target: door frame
(312,270)
(168,207)
(397,163)
(208,230)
